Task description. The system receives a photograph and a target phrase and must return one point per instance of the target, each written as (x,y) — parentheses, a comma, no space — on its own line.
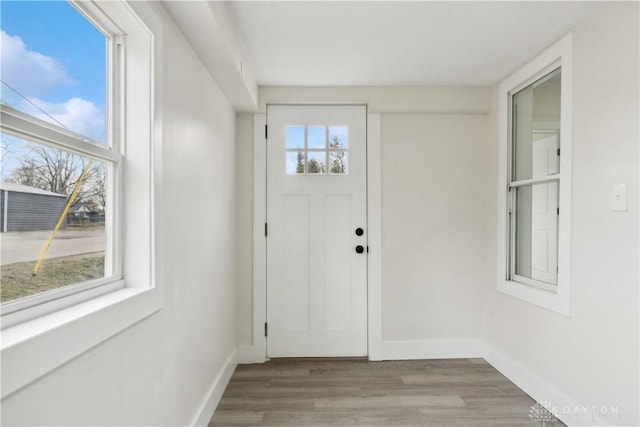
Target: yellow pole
(45,248)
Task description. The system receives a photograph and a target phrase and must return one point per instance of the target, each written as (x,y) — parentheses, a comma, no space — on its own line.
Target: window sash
(513,185)
(533,181)
(29,128)
(24,126)
(512,234)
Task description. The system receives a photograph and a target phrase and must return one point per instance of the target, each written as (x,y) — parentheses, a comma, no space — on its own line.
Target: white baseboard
(569,411)
(394,350)
(248,354)
(431,349)
(210,403)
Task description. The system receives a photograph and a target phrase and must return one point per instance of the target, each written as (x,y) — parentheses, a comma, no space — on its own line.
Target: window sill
(535,283)
(556,301)
(37,347)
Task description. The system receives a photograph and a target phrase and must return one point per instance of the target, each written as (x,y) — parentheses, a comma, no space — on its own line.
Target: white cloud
(33,73)
(76,114)
(28,71)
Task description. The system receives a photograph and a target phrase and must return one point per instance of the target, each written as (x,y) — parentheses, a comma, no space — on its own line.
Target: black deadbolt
(359,249)
(359,231)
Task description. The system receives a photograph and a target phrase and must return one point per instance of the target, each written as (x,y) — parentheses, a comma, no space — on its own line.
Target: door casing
(256,352)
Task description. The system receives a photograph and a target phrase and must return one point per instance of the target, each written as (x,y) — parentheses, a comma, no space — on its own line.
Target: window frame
(513,185)
(32,129)
(552,297)
(47,336)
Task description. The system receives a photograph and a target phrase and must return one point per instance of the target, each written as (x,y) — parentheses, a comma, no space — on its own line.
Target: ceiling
(358,43)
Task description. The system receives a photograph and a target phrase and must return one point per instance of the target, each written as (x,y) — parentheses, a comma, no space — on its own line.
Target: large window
(112,285)
(535,176)
(60,157)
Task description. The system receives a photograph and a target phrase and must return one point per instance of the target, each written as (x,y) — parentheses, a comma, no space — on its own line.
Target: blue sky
(56,58)
(55,29)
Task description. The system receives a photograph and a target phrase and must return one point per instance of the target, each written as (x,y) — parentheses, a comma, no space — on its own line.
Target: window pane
(338,162)
(37,183)
(536,129)
(316,163)
(316,137)
(295,137)
(536,232)
(53,65)
(295,162)
(338,136)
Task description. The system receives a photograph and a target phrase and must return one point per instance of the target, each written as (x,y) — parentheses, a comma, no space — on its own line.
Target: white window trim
(35,347)
(559,300)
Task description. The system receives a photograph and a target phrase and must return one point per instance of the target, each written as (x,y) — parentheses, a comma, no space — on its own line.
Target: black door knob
(359,231)
(359,249)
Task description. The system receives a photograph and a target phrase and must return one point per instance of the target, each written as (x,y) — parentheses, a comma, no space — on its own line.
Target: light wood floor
(329,392)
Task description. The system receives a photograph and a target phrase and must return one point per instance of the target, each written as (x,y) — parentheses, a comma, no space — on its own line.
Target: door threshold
(318,359)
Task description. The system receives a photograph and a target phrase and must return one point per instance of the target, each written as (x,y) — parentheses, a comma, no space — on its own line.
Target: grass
(16,280)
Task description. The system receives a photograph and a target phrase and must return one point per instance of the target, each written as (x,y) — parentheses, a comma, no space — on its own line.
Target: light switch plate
(619,198)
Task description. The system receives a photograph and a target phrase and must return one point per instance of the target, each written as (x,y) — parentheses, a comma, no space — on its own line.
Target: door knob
(359,249)
(359,231)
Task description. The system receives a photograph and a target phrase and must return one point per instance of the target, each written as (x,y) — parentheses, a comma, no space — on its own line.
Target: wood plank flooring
(330,392)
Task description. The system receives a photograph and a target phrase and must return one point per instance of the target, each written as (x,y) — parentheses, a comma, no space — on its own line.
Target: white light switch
(619,198)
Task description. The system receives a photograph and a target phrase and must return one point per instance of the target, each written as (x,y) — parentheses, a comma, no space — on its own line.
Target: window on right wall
(534,178)
(535,154)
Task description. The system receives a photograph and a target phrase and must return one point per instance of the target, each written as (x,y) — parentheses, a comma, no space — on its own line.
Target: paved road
(22,246)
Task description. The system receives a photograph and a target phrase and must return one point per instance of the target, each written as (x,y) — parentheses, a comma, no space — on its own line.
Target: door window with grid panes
(317,150)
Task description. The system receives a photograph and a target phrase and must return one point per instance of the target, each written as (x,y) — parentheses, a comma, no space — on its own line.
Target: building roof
(79,208)
(18,188)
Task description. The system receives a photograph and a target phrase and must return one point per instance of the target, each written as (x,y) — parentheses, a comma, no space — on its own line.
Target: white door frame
(257,352)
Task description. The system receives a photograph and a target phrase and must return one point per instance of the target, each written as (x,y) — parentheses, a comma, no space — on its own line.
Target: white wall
(433,215)
(221,50)
(590,358)
(160,371)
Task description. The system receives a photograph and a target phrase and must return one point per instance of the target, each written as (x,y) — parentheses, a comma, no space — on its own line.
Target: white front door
(317,231)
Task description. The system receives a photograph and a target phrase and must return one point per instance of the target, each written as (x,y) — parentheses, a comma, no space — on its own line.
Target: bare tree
(59,171)
(337,159)
(96,187)
(5,148)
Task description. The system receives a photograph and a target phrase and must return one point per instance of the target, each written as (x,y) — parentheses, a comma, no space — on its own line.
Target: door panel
(316,198)
(338,268)
(295,260)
